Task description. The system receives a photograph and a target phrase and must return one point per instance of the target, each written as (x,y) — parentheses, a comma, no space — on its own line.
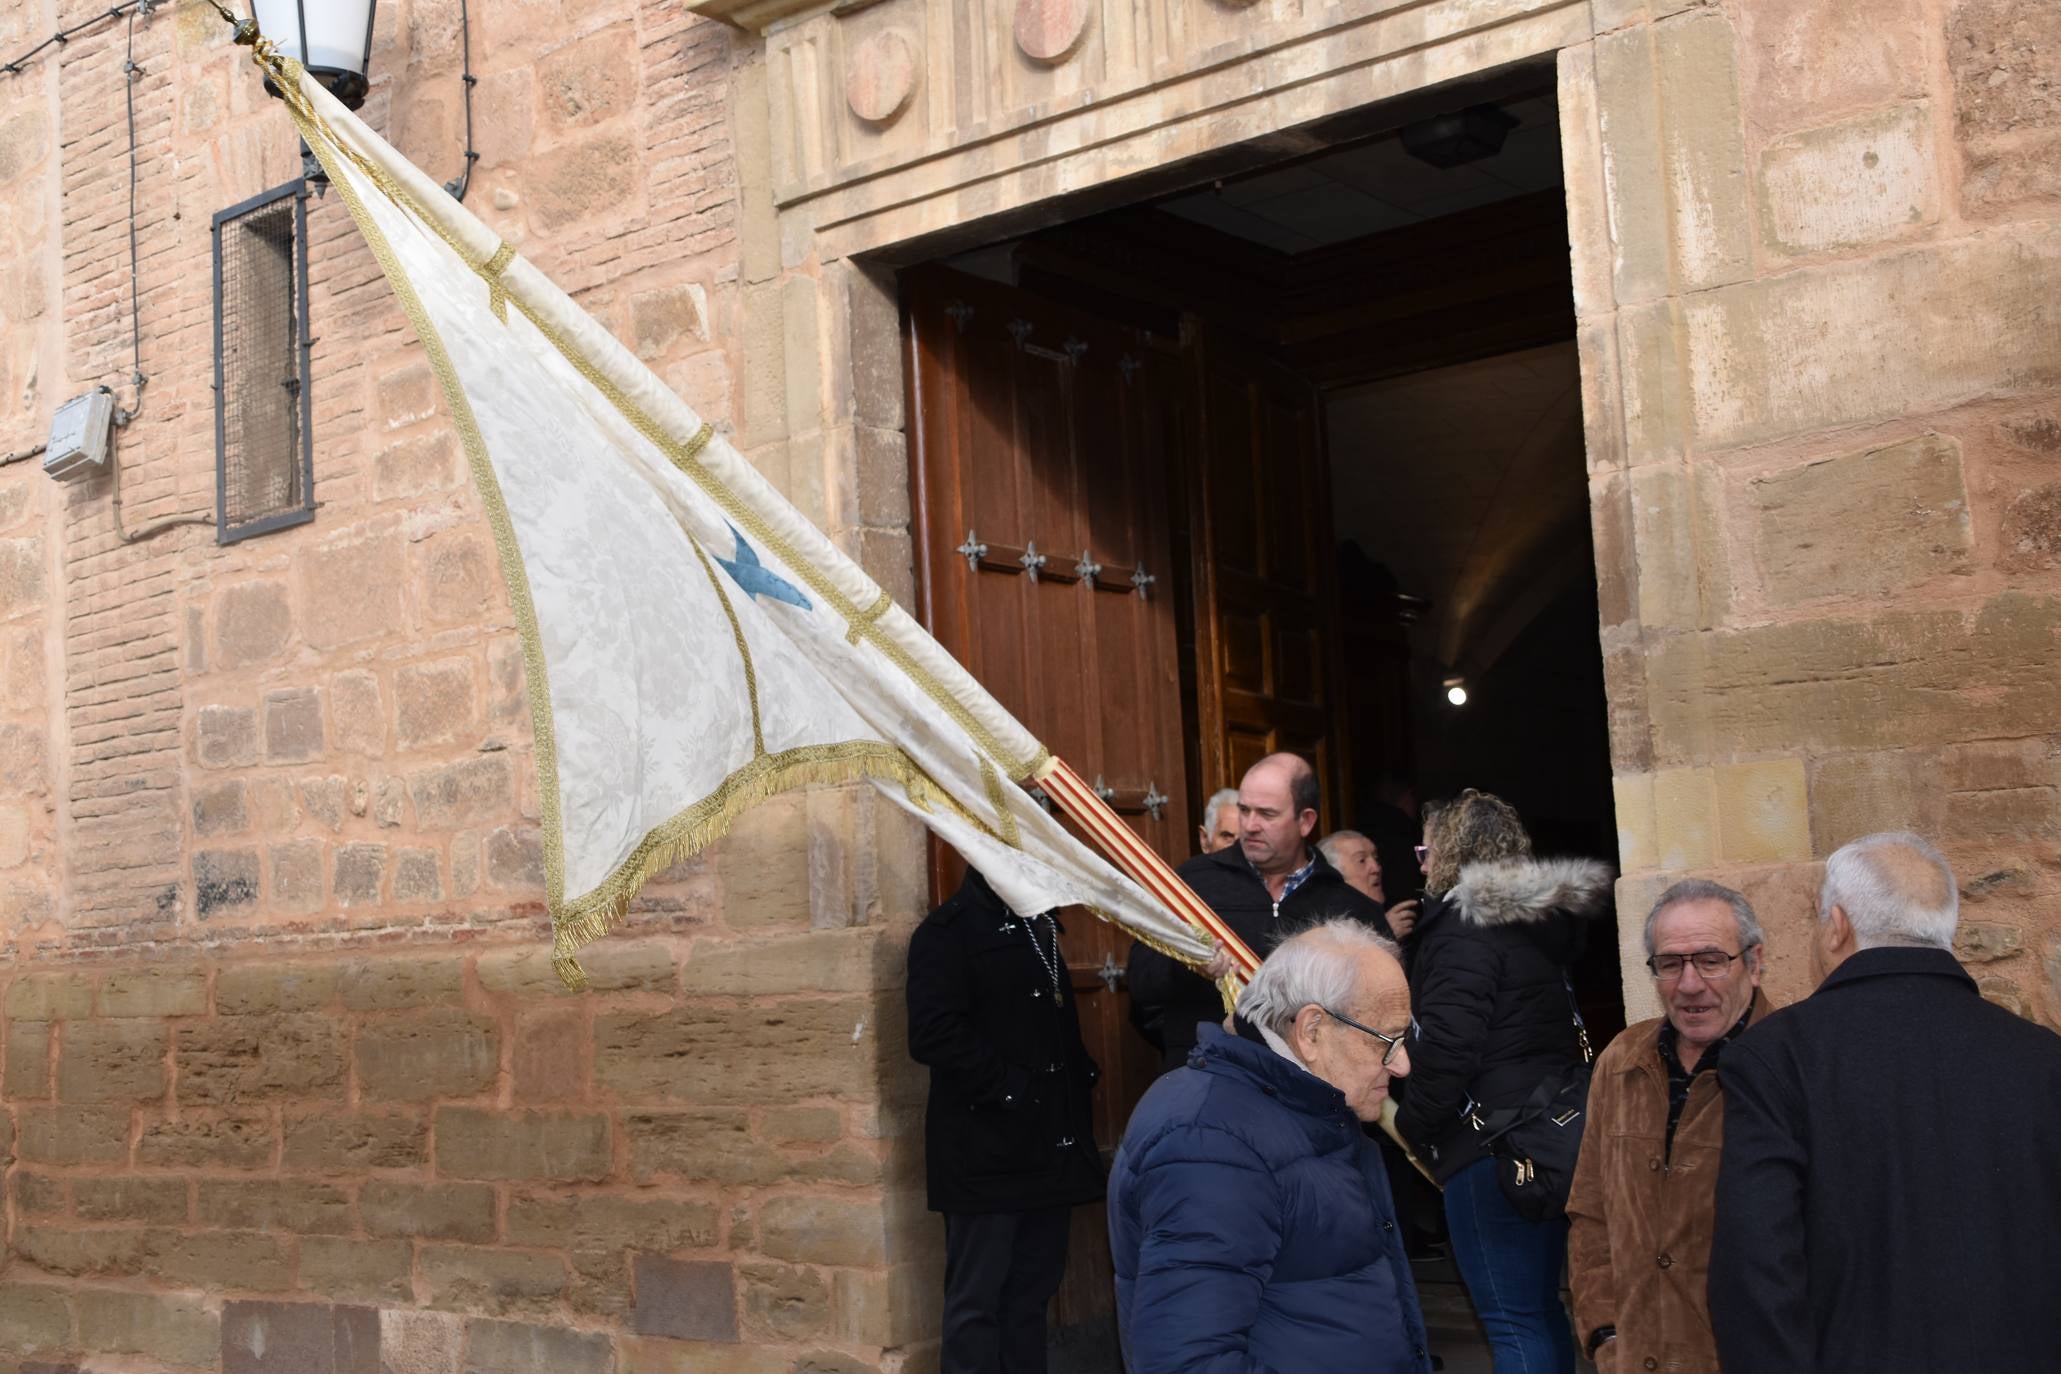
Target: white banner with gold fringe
(692,643)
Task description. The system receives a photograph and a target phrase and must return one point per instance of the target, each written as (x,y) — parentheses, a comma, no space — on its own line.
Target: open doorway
(1276,460)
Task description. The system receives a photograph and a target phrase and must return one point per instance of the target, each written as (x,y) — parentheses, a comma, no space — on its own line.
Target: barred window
(264,451)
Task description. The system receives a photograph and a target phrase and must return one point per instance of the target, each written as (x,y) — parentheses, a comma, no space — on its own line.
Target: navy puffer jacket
(1252,1227)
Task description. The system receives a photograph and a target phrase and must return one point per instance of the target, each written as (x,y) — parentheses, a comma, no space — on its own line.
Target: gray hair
(1703,890)
(1328,846)
(1895,888)
(1221,798)
(1318,965)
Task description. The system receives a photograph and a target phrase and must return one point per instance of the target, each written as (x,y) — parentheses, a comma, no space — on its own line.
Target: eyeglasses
(1711,963)
(1394,1042)
(1420,850)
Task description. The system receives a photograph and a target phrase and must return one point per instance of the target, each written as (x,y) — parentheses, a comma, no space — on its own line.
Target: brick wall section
(683,1169)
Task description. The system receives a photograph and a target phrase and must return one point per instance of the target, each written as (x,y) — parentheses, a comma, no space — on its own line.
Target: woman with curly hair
(1489,988)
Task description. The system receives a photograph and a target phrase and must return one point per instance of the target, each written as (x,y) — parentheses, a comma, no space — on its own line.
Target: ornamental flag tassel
(692,644)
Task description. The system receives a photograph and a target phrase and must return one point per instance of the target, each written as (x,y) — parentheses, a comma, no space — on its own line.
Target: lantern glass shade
(331,38)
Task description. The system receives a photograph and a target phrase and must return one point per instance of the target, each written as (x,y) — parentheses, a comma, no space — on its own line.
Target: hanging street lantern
(331,38)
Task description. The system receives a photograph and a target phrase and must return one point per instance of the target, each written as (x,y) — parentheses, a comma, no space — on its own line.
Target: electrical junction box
(78,436)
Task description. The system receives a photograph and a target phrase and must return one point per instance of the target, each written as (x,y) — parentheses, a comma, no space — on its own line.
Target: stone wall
(288,1084)
(1817,265)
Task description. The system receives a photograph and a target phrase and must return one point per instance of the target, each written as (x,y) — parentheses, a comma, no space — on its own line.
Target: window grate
(264,448)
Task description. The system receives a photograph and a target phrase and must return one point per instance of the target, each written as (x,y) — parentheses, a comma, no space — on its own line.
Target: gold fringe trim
(866,618)
(491,270)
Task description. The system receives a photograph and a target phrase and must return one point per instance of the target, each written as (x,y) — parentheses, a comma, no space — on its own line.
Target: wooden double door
(1126,539)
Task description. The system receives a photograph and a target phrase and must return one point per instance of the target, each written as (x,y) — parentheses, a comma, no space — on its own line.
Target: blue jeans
(1512,1270)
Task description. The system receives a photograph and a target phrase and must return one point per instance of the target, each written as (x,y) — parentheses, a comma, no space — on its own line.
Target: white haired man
(1889,1193)
(1249,1217)
(1638,1242)
(1219,828)
(1358,862)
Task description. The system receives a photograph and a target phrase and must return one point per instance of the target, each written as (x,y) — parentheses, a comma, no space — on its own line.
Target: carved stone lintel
(880,77)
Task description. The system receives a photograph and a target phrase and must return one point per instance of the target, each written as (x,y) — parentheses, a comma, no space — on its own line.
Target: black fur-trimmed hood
(1507,892)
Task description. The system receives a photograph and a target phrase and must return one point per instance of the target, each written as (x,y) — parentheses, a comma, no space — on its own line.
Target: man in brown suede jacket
(1643,1204)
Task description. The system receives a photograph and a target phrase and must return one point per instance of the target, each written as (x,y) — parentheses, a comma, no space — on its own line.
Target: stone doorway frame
(856,157)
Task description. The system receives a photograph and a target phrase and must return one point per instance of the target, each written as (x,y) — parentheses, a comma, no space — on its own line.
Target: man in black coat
(1008,1134)
(1269,885)
(1889,1190)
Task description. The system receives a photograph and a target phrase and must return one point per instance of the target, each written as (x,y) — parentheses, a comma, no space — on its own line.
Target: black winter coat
(1168,1001)
(1888,1195)
(1488,992)
(1009,1127)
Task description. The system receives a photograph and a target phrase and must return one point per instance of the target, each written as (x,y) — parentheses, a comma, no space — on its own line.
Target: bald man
(1272,882)
(1889,1192)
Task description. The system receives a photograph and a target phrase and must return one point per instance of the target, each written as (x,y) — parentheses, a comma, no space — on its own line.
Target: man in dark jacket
(1269,884)
(1249,1216)
(1009,1133)
(1888,1194)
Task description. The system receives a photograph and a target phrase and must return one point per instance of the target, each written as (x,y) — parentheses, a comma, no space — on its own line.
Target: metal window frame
(224,532)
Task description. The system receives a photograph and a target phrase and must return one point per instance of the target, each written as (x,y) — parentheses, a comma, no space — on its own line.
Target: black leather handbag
(1535,1144)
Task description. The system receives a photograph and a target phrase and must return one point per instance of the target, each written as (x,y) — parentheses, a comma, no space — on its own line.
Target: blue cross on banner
(757,579)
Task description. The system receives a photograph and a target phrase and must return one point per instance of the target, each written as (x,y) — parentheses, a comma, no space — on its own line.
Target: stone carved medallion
(881,78)
(1048,30)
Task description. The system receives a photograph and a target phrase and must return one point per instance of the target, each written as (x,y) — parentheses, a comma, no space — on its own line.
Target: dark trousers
(1001,1270)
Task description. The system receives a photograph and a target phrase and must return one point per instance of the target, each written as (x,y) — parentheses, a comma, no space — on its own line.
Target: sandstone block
(1983,942)
(702,1145)
(226,737)
(299,1338)
(111,1061)
(405,395)
(245,1059)
(358,871)
(897,1307)
(803,1125)
(1859,181)
(762,866)
(661,318)
(1763,813)
(657,1355)
(515,858)
(327,799)
(152,1201)
(1882,48)
(499,1282)
(2002,991)
(774,1050)
(253,624)
(224,881)
(260,987)
(297,1206)
(611,1221)
(356,714)
(418,876)
(577,180)
(432,1211)
(174,1327)
(2004,814)
(2031,532)
(689,1300)
(1864,523)
(433,1055)
(2007,79)
(73,1135)
(1703,147)
(466,793)
(297,868)
(104,1252)
(335,1142)
(158,990)
(228,1142)
(28,1061)
(220,810)
(848,960)
(376,1272)
(496,1347)
(352,586)
(293,725)
(416,466)
(250,1260)
(550,1062)
(435,703)
(476,1143)
(1858,794)
(2016,879)
(820,1230)
(458,577)
(23,581)
(34,1317)
(50,996)
(784,1303)
(403,983)
(38,1195)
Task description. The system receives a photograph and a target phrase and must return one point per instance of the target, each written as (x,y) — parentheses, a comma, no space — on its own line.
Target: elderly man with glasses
(1249,1214)
(1643,1206)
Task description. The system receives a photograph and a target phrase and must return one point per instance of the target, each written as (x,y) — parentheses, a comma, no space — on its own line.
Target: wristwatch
(1598,1336)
